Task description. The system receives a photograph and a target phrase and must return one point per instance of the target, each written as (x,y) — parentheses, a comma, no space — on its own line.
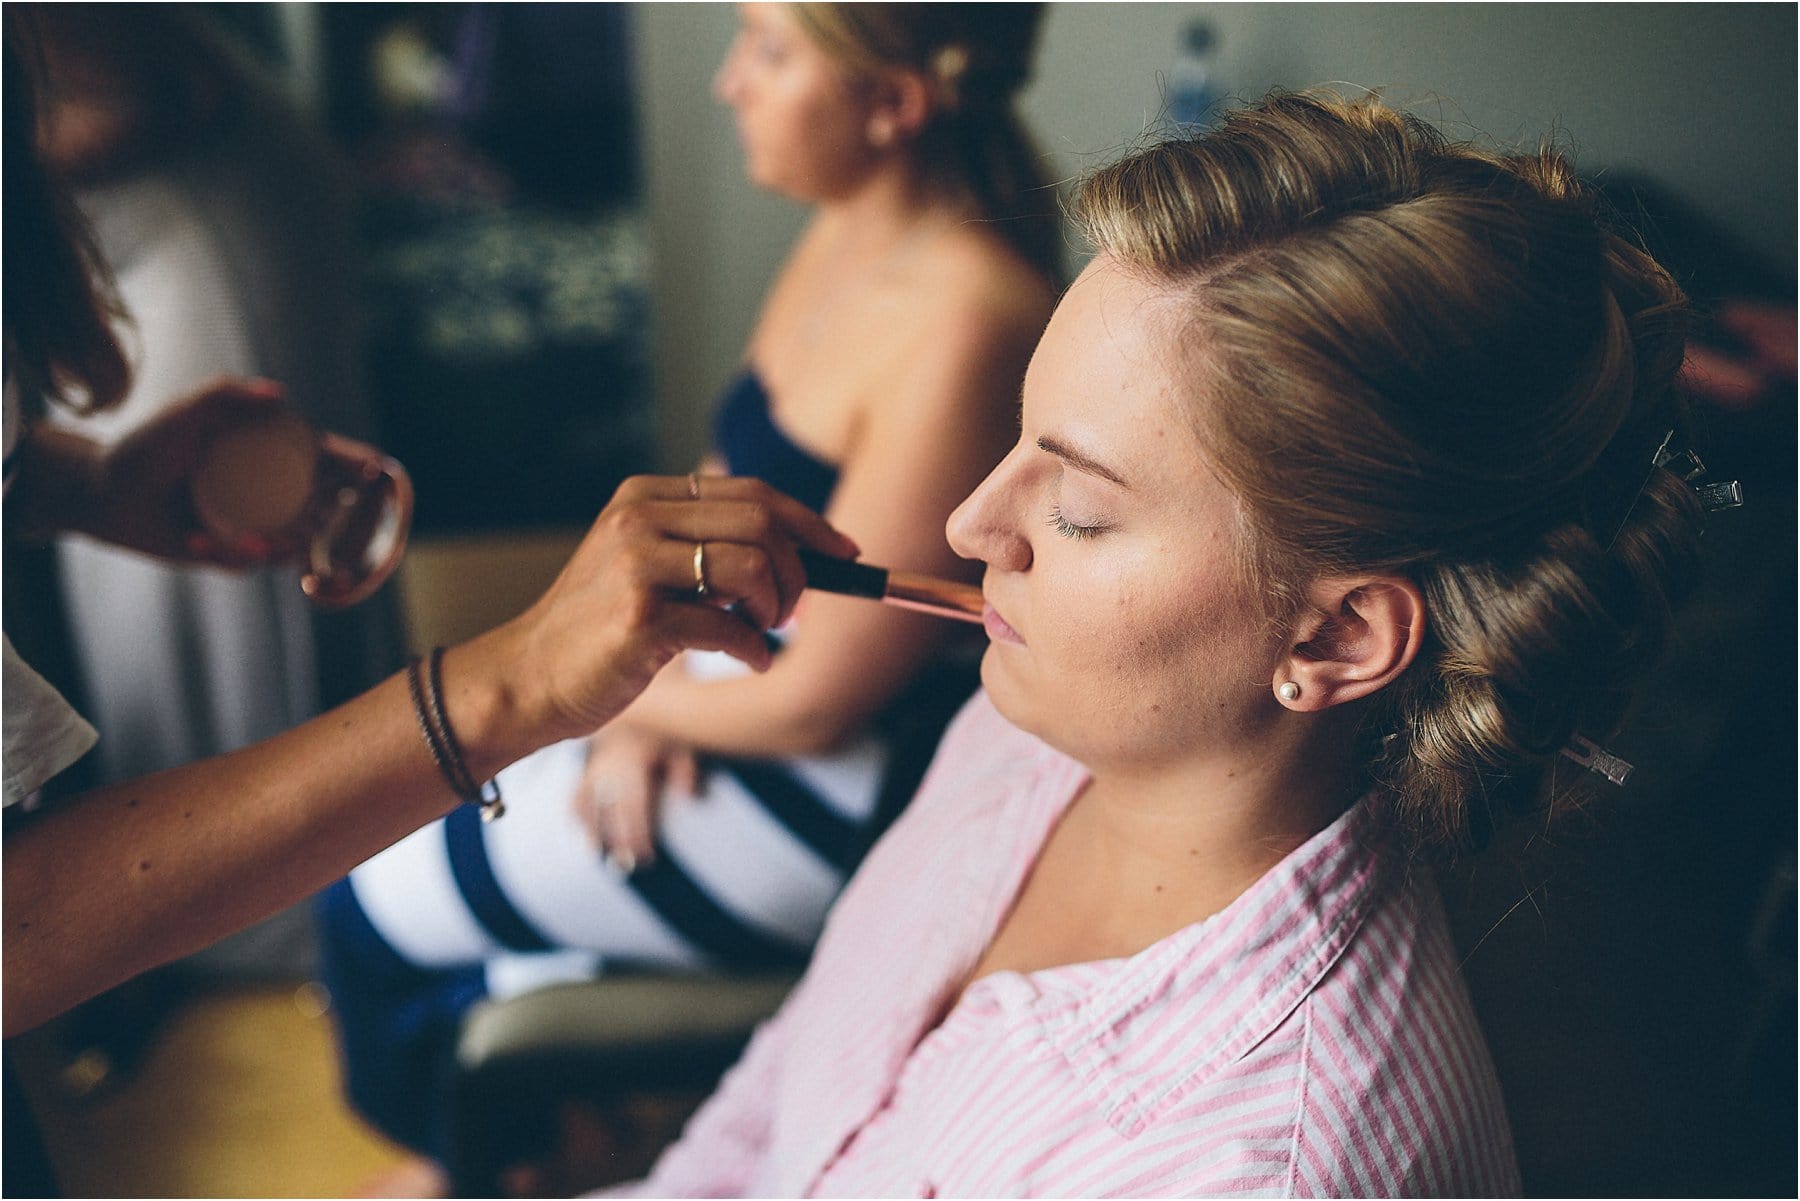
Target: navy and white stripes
(744,873)
(464,908)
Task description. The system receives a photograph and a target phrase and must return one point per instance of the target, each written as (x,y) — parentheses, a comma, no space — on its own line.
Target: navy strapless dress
(745,433)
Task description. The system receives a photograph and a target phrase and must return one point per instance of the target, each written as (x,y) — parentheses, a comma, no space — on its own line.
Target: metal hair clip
(1684,463)
(1688,465)
(1713,497)
(1690,468)
(1597,759)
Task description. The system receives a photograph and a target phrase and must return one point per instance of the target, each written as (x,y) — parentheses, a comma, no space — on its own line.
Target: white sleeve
(43,734)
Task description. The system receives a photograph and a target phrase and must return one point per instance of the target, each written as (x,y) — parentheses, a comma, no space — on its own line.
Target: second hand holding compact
(923,593)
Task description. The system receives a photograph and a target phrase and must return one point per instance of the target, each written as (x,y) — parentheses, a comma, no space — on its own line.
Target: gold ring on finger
(693,485)
(701,587)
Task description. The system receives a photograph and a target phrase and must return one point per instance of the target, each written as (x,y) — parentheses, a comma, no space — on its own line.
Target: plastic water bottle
(1194,93)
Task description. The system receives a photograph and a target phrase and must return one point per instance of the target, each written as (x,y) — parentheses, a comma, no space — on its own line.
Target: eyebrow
(1079,461)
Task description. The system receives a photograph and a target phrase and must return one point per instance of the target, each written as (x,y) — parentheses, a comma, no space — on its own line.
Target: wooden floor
(237,1097)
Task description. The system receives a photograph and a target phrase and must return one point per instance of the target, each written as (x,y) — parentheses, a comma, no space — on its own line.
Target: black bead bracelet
(424,680)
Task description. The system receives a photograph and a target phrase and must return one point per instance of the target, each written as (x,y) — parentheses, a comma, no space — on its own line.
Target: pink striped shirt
(1313,1038)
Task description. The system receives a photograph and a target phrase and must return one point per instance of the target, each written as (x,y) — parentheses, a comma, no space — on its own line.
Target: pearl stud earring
(1289,691)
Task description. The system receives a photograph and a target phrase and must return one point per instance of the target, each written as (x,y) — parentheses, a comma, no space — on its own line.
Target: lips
(997,628)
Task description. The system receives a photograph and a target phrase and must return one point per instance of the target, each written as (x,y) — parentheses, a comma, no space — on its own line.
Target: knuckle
(635,519)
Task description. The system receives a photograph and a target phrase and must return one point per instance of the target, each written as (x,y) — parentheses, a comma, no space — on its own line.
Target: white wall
(1699,96)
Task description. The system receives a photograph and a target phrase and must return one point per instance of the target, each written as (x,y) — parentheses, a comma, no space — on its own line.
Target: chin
(1076,729)
(1012,700)
(757,173)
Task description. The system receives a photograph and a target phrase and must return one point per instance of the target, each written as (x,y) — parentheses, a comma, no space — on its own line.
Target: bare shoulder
(980,268)
(972,315)
(979,290)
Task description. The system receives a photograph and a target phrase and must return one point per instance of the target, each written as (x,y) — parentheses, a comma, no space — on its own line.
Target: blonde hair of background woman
(977,57)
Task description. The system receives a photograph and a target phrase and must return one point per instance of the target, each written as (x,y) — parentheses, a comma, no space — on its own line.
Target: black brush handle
(847,576)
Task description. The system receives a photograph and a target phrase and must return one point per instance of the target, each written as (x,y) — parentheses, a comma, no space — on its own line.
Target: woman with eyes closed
(1333,520)
(879,384)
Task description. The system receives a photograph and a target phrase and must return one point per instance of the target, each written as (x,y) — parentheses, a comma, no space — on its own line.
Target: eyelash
(1068,529)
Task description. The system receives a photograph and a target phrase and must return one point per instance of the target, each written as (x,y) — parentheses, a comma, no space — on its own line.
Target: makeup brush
(944,598)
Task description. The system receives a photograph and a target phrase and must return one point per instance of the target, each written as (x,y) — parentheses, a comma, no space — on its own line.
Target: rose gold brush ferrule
(944,598)
(941,598)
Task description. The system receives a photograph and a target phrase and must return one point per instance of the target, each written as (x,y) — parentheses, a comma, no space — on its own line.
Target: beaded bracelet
(424,680)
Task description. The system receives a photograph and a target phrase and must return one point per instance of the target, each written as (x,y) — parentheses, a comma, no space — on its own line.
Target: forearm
(130,876)
(119,880)
(830,682)
(737,717)
(59,476)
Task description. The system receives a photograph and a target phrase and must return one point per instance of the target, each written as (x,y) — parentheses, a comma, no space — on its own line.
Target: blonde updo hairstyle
(976,57)
(1427,359)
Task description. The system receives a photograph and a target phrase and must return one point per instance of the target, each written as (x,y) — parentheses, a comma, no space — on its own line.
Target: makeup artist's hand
(628,601)
(136,494)
(617,799)
(145,499)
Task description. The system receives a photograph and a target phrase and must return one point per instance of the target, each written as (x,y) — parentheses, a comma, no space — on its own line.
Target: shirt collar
(1221,986)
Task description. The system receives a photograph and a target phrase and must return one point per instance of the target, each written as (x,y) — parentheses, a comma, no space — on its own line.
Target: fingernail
(622,859)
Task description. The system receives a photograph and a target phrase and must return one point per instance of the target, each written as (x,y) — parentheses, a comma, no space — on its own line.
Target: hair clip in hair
(1685,463)
(1713,497)
(1597,759)
(1690,468)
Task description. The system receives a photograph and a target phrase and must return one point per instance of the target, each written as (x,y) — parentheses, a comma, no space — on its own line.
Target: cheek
(829,136)
(805,142)
(1161,635)
(1107,627)
(1133,655)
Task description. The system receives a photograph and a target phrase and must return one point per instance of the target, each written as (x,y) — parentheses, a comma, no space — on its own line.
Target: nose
(726,81)
(987,525)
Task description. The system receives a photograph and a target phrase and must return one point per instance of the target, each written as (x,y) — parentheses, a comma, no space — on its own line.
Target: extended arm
(129,876)
(133,875)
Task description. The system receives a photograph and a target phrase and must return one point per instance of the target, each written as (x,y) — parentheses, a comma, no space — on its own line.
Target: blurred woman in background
(878,386)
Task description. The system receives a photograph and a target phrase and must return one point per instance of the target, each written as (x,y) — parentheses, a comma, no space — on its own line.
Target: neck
(1204,830)
(892,199)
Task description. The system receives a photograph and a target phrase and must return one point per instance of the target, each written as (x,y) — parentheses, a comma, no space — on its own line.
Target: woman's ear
(901,107)
(1358,636)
